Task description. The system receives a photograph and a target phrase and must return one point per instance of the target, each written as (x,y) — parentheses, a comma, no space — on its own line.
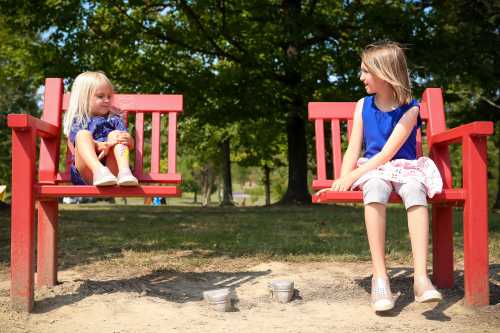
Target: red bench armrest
(26,121)
(456,135)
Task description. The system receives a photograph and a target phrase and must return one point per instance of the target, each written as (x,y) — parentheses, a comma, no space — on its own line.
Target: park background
(247,69)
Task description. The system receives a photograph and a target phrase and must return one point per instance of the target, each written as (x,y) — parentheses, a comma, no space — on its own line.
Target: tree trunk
(195,199)
(227,199)
(297,192)
(267,184)
(208,182)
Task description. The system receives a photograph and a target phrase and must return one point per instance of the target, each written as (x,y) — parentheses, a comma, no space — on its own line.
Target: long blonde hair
(387,61)
(83,88)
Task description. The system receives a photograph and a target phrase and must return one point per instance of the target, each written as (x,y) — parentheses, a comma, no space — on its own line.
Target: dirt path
(330,296)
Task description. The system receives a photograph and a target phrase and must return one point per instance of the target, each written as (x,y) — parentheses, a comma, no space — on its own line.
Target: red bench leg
(47,243)
(475,221)
(22,220)
(442,246)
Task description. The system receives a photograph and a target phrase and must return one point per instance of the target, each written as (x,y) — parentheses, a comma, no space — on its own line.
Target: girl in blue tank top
(385,124)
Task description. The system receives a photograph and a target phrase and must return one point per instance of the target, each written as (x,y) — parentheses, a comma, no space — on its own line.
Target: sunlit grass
(91,233)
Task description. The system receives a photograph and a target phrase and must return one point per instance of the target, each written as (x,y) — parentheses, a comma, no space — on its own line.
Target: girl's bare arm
(398,137)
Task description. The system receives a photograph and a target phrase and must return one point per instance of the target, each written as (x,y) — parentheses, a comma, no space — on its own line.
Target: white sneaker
(126,178)
(424,291)
(381,298)
(104,177)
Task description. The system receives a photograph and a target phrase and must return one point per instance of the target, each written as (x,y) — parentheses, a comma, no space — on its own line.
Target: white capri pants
(378,190)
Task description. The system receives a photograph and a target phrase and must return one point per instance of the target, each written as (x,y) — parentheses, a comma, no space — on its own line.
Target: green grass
(90,233)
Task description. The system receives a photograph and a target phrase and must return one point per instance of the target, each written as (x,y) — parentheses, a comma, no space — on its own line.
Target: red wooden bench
(53,184)
(473,196)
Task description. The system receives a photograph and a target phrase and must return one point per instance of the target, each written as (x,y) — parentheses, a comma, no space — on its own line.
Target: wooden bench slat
(139,144)
(172,143)
(320,149)
(155,143)
(336,148)
(55,191)
(142,102)
(454,197)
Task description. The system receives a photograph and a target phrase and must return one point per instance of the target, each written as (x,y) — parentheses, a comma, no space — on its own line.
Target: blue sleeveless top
(378,126)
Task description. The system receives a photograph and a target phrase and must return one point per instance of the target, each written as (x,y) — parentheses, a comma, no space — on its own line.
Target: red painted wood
(155,143)
(139,145)
(451,197)
(457,134)
(320,149)
(442,245)
(26,121)
(143,103)
(336,148)
(419,144)
(475,221)
(172,143)
(22,219)
(331,110)
(49,147)
(55,191)
(47,243)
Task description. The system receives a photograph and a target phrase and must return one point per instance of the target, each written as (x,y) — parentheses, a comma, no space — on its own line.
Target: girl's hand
(120,137)
(343,183)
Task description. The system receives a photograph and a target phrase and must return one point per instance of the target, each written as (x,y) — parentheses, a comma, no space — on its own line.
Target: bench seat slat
(454,197)
(55,191)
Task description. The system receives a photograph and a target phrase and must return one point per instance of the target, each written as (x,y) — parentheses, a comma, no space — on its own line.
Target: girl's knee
(413,194)
(376,190)
(82,134)
(82,137)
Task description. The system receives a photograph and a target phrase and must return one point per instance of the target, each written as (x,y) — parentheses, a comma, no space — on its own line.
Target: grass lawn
(91,233)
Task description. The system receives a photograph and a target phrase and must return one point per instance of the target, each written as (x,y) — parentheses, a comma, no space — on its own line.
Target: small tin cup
(218,299)
(281,290)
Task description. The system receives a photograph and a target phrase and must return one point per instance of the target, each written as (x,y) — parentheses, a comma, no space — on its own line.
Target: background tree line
(248,68)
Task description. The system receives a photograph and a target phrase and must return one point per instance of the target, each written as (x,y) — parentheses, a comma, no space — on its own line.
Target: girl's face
(373,84)
(100,101)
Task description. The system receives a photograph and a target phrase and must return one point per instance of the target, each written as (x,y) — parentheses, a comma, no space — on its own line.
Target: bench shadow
(402,284)
(169,285)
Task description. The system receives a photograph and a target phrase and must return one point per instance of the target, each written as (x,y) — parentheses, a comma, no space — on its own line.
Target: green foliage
(19,77)
(247,67)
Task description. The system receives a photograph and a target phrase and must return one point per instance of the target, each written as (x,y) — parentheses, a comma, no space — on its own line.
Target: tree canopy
(251,66)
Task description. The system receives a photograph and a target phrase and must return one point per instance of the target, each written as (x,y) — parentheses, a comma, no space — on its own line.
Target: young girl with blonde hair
(98,134)
(385,123)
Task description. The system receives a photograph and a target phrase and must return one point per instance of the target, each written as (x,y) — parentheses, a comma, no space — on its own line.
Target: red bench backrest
(143,107)
(337,113)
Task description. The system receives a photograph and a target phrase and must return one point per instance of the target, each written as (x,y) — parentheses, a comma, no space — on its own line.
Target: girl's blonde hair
(387,61)
(83,88)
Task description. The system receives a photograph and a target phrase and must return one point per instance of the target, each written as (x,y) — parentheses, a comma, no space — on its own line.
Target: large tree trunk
(227,198)
(297,192)
(267,184)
